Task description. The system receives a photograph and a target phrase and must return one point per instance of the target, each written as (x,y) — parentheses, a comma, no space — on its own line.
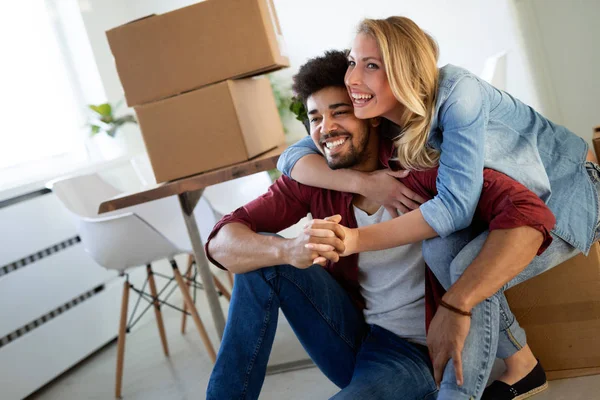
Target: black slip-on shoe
(534,383)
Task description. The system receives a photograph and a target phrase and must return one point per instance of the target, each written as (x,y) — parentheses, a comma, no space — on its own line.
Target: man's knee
(265,273)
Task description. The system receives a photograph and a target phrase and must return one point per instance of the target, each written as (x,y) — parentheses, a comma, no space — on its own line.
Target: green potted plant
(104,126)
(102,119)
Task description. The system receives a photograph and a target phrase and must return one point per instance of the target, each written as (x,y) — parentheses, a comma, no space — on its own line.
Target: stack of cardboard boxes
(181,72)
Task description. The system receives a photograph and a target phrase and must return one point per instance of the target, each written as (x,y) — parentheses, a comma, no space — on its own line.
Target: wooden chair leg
(188,275)
(121,338)
(192,308)
(157,313)
(221,288)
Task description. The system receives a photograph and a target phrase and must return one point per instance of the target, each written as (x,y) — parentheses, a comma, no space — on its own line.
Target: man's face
(338,134)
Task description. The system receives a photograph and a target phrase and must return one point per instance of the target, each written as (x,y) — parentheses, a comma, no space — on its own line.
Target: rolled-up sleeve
(285,203)
(463,120)
(507,204)
(292,154)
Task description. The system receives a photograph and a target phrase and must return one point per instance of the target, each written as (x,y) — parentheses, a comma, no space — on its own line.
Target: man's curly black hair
(319,73)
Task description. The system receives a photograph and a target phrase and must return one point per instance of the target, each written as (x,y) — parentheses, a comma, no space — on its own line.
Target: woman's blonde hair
(410,58)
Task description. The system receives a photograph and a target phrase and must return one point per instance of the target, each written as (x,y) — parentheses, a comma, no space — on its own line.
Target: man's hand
(446,339)
(329,228)
(383,187)
(307,249)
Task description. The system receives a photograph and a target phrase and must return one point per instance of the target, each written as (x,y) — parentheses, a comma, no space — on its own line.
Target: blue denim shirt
(476,125)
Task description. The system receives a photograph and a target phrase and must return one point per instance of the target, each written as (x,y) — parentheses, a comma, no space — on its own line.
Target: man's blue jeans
(494,330)
(367,362)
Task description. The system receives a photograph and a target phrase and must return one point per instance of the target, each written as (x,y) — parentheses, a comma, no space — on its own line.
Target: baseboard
(572,373)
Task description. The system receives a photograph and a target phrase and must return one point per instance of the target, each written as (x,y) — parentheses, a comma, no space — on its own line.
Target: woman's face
(367,81)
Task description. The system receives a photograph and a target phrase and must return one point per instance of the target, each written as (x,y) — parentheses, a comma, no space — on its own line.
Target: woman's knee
(439,253)
(466,256)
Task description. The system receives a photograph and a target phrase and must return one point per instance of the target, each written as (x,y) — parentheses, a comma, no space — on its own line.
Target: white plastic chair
(142,167)
(217,200)
(134,237)
(221,199)
(227,196)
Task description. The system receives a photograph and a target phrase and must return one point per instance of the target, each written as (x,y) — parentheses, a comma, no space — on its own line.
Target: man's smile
(334,145)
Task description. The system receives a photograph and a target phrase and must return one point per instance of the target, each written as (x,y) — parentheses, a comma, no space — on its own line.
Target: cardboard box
(164,55)
(211,127)
(560,311)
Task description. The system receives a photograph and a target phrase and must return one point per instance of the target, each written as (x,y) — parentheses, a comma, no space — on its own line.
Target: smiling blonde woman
(451,118)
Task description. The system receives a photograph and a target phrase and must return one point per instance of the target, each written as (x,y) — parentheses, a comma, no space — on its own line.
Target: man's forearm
(239,249)
(312,170)
(505,253)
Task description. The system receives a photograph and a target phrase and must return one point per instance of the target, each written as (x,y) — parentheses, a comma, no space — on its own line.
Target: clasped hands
(329,240)
(322,240)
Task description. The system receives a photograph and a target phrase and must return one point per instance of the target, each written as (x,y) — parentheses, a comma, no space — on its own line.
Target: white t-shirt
(392,283)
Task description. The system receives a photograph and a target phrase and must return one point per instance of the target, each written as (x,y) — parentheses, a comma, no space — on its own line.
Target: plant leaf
(299,110)
(94,108)
(105,110)
(94,129)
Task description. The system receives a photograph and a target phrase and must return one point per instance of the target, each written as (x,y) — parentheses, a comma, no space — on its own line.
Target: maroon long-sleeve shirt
(503,204)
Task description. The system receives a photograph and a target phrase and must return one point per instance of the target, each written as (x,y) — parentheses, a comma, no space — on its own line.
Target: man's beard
(354,155)
(347,160)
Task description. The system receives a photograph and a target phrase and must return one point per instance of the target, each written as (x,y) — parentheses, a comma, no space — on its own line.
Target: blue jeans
(366,362)
(494,330)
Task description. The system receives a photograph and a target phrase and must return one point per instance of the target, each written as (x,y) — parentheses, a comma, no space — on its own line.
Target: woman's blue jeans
(494,330)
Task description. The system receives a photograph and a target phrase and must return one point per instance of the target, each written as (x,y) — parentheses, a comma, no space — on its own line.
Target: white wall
(467,31)
(566,35)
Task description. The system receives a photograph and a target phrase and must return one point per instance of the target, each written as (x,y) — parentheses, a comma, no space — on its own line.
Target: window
(45,55)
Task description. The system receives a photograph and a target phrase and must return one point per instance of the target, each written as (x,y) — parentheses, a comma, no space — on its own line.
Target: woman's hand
(383,187)
(328,228)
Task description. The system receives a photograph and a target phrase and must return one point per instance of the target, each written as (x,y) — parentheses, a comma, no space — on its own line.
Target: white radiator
(56,304)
